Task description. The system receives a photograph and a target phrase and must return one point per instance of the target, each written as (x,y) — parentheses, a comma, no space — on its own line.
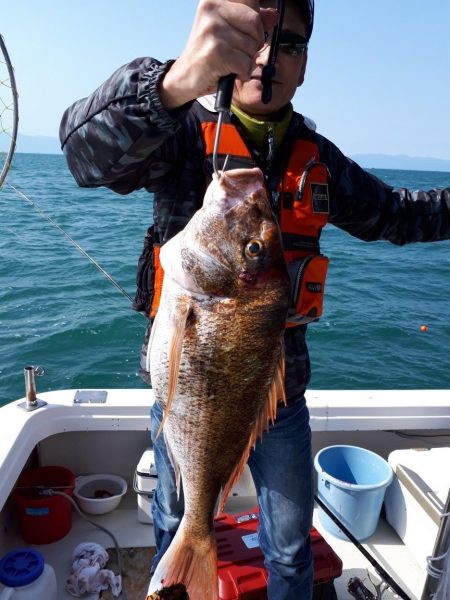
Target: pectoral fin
(178,327)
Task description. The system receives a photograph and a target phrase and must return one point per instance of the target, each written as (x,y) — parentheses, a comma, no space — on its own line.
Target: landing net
(9,112)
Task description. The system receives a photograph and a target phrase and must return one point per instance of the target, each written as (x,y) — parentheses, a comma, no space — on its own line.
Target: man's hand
(224,39)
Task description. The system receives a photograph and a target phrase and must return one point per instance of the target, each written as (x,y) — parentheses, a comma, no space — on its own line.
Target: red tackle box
(242,575)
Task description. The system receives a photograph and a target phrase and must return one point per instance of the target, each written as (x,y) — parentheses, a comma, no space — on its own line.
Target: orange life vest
(303,210)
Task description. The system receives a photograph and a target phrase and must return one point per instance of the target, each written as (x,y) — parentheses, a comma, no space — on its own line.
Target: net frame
(9,83)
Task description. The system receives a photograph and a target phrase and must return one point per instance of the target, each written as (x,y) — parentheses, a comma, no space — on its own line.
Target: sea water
(57,310)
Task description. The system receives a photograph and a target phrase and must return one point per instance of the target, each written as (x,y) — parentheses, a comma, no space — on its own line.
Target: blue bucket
(351,483)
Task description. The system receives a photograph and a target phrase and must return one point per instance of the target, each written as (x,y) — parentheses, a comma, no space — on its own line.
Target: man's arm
(123,136)
(369,209)
(116,137)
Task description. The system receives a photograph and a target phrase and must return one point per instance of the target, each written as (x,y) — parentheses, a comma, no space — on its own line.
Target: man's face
(290,72)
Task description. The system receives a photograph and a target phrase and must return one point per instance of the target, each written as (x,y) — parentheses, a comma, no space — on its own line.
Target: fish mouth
(233,181)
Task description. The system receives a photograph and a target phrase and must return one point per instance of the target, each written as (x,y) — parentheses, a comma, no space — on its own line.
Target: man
(150,125)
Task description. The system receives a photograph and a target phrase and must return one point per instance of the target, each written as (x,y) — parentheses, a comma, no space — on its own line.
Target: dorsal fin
(267,415)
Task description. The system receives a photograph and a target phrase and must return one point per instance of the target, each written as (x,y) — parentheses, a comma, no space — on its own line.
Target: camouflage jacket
(121,137)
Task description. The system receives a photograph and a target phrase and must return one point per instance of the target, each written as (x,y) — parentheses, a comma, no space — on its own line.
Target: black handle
(224,92)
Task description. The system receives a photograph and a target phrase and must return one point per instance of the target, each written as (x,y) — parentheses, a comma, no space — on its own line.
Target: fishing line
(43,214)
(9,118)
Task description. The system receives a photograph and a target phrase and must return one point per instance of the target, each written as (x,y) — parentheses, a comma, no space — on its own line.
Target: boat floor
(385,546)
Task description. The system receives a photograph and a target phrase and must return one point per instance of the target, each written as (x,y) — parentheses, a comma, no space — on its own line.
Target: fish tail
(192,562)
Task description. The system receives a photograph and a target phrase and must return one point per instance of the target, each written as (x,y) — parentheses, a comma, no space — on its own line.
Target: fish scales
(216,357)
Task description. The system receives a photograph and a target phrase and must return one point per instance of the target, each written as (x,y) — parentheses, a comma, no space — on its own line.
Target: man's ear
(301,75)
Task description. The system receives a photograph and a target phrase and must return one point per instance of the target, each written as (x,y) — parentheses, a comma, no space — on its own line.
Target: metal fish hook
(225,163)
(215,157)
(216,150)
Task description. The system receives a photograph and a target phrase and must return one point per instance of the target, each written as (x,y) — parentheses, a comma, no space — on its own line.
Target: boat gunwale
(128,410)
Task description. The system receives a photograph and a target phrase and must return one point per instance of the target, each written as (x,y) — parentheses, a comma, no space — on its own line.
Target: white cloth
(88,573)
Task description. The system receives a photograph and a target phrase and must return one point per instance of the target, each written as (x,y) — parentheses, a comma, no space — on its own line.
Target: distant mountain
(33,144)
(401,162)
(39,144)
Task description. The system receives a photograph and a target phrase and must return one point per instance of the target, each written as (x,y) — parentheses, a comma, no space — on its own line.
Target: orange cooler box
(242,575)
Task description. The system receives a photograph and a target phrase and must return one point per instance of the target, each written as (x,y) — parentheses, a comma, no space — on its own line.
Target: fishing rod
(380,570)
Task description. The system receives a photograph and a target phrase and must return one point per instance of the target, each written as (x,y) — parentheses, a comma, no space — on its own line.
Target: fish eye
(254,248)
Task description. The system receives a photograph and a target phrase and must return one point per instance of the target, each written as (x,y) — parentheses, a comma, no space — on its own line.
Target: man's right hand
(224,39)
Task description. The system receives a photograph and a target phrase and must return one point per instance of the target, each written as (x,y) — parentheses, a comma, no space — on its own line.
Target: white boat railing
(128,410)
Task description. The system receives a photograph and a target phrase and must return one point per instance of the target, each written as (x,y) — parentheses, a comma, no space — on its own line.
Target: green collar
(259,131)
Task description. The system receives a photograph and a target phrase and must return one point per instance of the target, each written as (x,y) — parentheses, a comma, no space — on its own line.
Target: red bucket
(44,519)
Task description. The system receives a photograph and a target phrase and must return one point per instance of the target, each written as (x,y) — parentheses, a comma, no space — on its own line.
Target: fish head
(233,243)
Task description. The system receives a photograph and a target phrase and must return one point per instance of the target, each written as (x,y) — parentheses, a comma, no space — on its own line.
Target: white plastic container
(25,576)
(145,480)
(416,498)
(99,494)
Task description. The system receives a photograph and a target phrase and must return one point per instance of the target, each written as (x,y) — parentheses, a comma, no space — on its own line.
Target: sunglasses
(292,43)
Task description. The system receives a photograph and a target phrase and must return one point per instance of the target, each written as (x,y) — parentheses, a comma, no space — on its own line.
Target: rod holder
(32,402)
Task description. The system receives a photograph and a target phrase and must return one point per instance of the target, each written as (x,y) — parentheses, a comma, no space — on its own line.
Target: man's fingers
(225,38)
(269,17)
(253,23)
(245,20)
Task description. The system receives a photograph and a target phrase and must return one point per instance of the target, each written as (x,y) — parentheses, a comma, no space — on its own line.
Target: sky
(378,76)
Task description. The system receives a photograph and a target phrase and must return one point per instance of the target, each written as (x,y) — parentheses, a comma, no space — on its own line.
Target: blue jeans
(281,467)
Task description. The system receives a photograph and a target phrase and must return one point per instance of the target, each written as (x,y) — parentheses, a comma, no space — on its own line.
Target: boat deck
(385,546)
(111,437)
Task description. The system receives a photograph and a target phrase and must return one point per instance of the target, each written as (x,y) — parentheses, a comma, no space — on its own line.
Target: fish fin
(190,562)
(266,416)
(277,391)
(175,345)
